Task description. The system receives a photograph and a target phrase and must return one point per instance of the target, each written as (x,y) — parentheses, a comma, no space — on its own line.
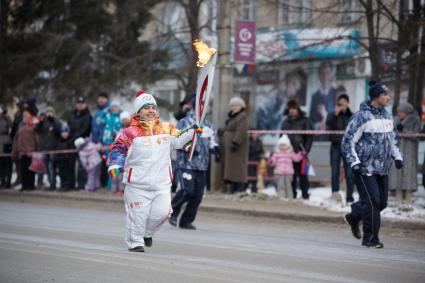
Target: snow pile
(321,197)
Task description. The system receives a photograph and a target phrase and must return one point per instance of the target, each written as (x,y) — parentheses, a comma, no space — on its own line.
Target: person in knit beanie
(404,182)
(282,160)
(142,152)
(369,146)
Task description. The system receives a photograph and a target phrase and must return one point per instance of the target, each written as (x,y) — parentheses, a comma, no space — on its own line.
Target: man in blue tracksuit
(369,146)
(192,174)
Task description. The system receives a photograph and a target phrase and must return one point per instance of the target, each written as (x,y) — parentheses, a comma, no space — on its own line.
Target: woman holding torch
(142,152)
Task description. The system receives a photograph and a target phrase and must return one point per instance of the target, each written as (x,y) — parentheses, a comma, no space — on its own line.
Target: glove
(115,172)
(216,152)
(356,169)
(398,164)
(399,127)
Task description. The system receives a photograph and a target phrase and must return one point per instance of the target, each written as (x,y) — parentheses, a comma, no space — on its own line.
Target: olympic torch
(207,58)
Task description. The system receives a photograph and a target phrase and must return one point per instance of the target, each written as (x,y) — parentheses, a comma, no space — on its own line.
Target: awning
(301,44)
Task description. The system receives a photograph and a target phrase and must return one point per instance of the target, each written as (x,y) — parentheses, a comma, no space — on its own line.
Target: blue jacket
(369,140)
(98,124)
(200,156)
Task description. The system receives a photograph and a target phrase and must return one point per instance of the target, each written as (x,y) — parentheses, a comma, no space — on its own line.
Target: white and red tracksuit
(143,150)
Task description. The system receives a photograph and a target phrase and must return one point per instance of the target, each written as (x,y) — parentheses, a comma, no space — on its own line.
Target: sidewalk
(258,205)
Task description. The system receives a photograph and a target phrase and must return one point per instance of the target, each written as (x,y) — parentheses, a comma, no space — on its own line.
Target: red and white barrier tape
(61,151)
(260,132)
(321,132)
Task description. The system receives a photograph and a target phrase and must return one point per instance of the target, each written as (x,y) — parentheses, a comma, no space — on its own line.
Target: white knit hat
(143,99)
(125,115)
(236,100)
(284,139)
(78,142)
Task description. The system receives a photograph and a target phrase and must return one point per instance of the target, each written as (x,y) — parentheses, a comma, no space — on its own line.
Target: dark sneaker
(355,229)
(148,242)
(373,245)
(189,226)
(173,221)
(137,249)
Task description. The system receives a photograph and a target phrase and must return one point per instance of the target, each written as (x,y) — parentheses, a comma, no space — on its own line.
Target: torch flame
(204,52)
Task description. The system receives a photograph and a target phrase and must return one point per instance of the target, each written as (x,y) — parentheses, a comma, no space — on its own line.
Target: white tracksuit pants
(146,212)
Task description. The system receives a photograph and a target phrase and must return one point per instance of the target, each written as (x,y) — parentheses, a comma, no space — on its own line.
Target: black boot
(354,225)
(373,245)
(173,221)
(188,226)
(148,242)
(137,249)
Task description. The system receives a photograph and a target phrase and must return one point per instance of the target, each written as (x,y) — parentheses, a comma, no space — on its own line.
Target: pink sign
(245,42)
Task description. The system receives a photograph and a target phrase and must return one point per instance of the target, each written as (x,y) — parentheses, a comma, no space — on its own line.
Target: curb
(395,224)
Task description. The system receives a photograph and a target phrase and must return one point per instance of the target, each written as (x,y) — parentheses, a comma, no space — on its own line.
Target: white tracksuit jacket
(143,151)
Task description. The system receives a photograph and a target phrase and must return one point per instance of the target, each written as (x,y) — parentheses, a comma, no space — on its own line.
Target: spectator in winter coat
(184,107)
(369,146)
(30,104)
(338,121)
(98,126)
(49,130)
(112,126)
(5,148)
(405,181)
(296,120)
(235,144)
(98,122)
(283,160)
(79,123)
(142,152)
(192,174)
(24,144)
(65,162)
(125,119)
(90,160)
(79,120)
(255,153)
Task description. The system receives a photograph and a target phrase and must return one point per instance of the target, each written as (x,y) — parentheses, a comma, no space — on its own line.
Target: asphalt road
(49,243)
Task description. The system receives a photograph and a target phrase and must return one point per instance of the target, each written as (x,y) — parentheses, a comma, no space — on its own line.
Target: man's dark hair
(343,96)
(103,94)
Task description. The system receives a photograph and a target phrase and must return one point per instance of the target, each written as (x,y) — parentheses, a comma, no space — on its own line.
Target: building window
(295,12)
(247,10)
(351,11)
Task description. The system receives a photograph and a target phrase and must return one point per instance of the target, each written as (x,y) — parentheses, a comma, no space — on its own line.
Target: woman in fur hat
(405,181)
(235,145)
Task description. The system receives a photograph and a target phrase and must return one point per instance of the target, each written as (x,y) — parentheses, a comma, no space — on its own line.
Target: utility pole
(225,80)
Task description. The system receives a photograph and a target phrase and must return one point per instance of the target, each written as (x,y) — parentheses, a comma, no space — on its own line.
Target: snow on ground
(415,211)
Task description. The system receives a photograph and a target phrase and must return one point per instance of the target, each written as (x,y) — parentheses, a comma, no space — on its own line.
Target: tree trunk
(414,53)
(373,42)
(399,51)
(4,12)
(192,15)
(421,62)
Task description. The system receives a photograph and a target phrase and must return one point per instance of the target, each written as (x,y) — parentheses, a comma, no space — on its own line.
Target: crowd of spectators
(46,147)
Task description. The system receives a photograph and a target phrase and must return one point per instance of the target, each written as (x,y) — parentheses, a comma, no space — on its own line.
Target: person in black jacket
(256,152)
(5,148)
(338,121)
(79,124)
(296,120)
(49,130)
(65,161)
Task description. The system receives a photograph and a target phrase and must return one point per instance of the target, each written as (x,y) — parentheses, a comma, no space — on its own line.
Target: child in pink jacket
(282,160)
